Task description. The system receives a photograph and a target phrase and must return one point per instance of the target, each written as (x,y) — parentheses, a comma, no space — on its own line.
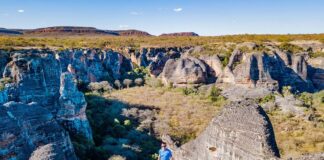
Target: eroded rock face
(184,71)
(316,72)
(214,63)
(155,58)
(35,78)
(25,127)
(116,64)
(267,70)
(241,131)
(72,108)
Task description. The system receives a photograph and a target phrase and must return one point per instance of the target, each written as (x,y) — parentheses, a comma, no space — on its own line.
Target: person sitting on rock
(164,152)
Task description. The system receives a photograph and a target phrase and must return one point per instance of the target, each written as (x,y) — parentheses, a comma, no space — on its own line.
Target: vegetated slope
(146,41)
(129,122)
(181,116)
(297,135)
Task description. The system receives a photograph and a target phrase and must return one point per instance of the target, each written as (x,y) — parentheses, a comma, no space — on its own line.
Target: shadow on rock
(118,129)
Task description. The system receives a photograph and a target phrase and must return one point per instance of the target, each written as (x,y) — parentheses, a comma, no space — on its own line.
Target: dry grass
(182,117)
(120,42)
(297,135)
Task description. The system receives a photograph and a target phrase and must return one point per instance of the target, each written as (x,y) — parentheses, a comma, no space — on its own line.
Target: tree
(118,84)
(139,81)
(127,82)
(100,87)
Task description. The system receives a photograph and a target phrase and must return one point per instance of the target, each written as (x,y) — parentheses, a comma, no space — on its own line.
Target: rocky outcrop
(241,131)
(72,108)
(154,58)
(191,34)
(316,72)
(26,127)
(314,156)
(94,65)
(184,71)
(35,77)
(268,70)
(115,63)
(214,64)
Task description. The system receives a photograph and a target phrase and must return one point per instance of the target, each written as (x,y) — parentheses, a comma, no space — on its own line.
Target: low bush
(153,82)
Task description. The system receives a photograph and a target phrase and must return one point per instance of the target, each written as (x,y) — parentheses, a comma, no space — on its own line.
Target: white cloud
(21,11)
(177,9)
(124,26)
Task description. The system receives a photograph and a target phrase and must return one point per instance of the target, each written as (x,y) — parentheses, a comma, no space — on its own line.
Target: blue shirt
(165,154)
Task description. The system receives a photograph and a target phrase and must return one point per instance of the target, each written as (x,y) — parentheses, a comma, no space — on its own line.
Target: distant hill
(71,31)
(180,34)
(4,31)
(68,30)
(83,31)
(132,32)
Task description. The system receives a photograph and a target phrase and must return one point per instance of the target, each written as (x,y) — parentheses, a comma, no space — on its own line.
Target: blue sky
(205,17)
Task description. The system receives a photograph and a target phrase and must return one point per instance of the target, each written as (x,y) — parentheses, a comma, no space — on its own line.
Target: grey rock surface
(25,127)
(35,77)
(184,71)
(269,70)
(72,108)
(241,131)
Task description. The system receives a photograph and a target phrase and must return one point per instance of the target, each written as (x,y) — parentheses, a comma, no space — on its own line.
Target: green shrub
(267,98)
(214,94)
(290,48)
(188,91)
(3,82)
(306,98)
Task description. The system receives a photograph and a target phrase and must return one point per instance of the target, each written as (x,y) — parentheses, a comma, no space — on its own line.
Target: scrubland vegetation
(298,135)
(136,42)
(128,123)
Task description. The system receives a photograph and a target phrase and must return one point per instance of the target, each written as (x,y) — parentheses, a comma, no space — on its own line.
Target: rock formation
(184,71)
(35,77)
(25,127)
(72,108)
(268,70)
(241,131)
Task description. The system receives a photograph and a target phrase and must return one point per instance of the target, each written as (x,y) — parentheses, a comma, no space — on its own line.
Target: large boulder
(214,64)
(241,131)
(184,71)
(26,127)
(71,112)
